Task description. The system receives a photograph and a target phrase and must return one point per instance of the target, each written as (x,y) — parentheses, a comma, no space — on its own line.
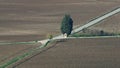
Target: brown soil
(78,53)
(28,17)
(7,52)
(27,20)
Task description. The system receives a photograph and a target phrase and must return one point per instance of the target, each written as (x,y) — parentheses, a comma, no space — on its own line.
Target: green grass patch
(91,35)
(9,43)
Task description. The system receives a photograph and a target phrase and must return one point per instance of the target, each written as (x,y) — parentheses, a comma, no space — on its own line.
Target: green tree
(102,33)
(67,25)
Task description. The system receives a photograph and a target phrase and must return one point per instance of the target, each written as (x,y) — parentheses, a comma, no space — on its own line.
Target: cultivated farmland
(28,17)
(28,20)
(77,53)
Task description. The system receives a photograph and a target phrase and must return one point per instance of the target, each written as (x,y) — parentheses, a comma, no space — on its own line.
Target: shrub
(49,36)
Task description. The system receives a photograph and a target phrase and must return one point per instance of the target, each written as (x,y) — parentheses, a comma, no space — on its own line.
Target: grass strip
(92,35)
(18,58)
(9,43)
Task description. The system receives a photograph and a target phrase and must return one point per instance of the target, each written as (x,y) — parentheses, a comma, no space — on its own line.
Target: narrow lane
(91,23)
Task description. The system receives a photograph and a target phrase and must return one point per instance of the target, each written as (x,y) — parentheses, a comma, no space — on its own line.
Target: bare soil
(39,18)
(27,20)
(7,52)
(77,53)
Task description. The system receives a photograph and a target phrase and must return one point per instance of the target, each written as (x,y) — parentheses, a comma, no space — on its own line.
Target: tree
(102,33)
(66,25)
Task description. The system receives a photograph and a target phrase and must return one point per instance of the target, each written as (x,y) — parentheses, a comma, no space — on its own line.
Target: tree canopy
(67,25)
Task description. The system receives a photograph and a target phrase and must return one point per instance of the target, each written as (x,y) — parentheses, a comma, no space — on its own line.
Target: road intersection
(90,23)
